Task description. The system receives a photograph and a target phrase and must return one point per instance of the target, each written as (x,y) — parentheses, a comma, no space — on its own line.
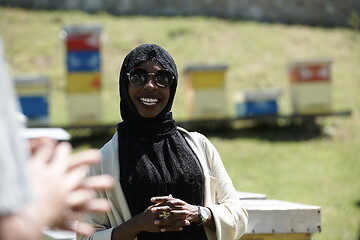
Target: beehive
(206,91)
(33,93)
(310,86)
(83,64)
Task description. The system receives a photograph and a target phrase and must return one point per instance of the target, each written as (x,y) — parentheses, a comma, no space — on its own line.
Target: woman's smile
(149,101)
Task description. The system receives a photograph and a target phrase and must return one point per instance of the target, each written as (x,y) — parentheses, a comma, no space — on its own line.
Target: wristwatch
(203,215)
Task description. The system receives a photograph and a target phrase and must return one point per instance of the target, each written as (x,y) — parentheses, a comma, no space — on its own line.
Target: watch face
(204,213)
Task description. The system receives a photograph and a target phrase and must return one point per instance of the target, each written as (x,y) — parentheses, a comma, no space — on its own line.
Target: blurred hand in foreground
(62,192)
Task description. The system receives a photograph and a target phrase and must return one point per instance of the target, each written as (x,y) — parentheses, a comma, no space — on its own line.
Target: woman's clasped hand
(167,214)
(172,214)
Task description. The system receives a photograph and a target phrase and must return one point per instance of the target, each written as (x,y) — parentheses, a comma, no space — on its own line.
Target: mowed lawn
(322,170)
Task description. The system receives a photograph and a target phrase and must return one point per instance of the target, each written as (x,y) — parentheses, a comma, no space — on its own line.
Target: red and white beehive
(310,86)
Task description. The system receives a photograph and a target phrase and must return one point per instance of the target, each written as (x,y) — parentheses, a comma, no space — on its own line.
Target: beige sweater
(220,195)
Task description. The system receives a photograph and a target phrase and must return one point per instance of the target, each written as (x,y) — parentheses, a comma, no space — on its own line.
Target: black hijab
(163,124)
(155,159)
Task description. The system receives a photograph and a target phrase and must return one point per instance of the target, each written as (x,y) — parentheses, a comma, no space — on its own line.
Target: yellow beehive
(207,78)
(206,91)
(83,82)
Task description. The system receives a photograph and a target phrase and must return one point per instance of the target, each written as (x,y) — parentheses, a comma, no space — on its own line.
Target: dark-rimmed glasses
(139,77)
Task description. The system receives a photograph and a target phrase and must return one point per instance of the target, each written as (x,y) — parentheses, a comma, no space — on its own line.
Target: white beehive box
(84,108)
(281,217)
(311,98)
(248,195)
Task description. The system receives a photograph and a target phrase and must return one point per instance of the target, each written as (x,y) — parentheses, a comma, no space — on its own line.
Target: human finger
(165,226)
(176,202)
(44,153)
(159,199)
(100,182)
(61,157)
(173,203)
(166,217)
(98,205)
(172,224)
(82,228)
(86,157)
(174,221)
(160,209)
(75,179)
(179,214)
(76,199)
(36,143)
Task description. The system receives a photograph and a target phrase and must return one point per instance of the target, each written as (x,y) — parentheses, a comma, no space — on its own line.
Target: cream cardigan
(220,195)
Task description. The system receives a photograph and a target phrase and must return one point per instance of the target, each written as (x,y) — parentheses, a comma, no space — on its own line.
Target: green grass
(318,172)
(321,171)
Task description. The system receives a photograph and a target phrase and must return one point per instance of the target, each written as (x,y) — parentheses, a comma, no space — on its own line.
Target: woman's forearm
(128,230)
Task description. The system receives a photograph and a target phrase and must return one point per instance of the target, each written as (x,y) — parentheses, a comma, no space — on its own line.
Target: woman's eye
(136,77)
(142,78)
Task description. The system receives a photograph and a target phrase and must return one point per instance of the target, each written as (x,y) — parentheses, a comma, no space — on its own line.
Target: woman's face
(149,99)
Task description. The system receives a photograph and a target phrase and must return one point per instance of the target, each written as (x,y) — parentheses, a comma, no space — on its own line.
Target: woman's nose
(150,83)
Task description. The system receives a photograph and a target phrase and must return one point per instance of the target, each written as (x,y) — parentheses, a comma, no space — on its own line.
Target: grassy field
(321,170)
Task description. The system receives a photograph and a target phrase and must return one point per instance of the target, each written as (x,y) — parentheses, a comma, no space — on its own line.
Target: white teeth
(149,101)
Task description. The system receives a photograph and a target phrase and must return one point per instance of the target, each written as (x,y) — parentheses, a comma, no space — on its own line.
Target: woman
(171,183)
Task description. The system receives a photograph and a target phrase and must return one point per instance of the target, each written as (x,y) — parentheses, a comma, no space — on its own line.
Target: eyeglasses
(139,77)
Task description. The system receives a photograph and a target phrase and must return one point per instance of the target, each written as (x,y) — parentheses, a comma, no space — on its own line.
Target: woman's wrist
(194,216)
(210,218)
(204,214)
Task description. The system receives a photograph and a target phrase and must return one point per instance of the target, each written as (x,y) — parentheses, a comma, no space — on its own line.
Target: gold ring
(164,215)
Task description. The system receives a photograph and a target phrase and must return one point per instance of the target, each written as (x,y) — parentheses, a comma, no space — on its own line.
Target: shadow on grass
(266,132)
(96,138)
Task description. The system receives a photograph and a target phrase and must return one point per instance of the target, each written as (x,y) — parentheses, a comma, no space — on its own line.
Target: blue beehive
(33,94)
(258,103)
(268,107)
